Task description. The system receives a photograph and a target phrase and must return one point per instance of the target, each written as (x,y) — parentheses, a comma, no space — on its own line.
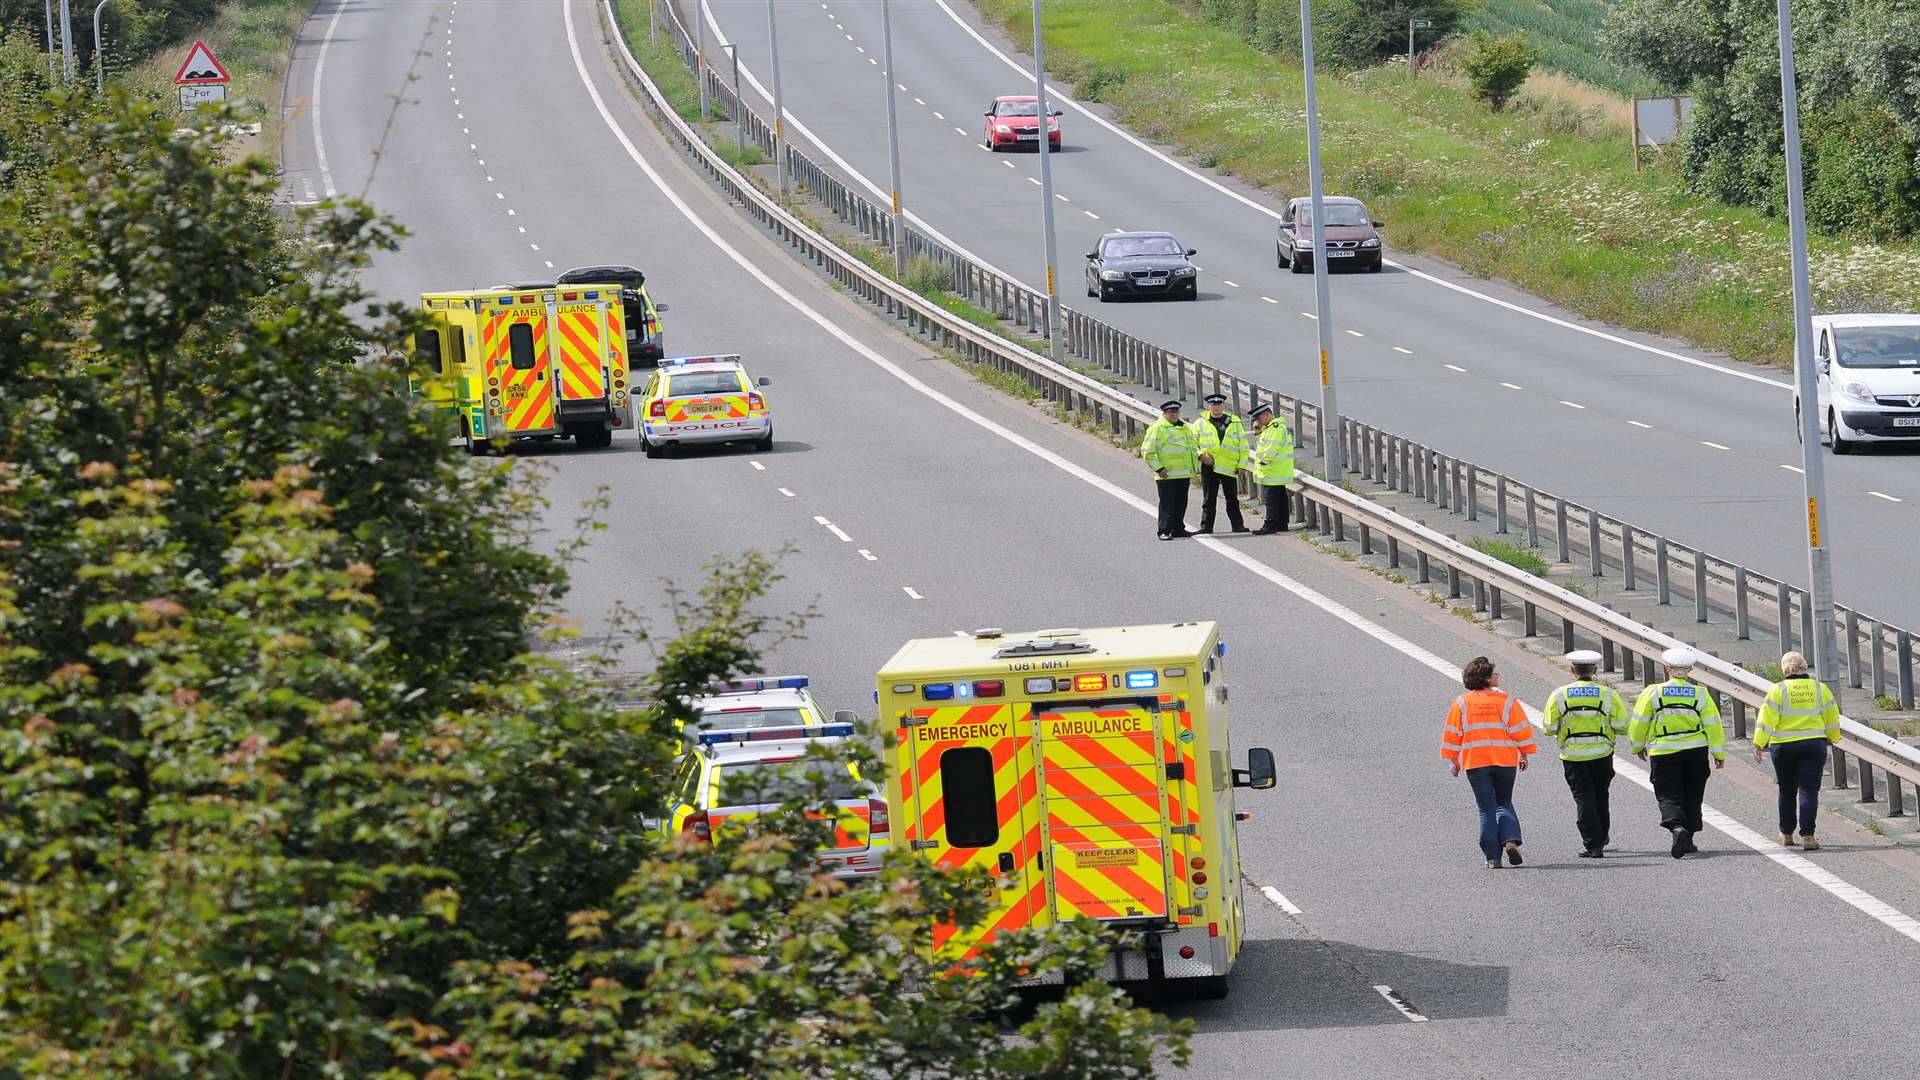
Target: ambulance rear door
(432,377)
(519,356)
(967,784)
(1106,834)
(579,323)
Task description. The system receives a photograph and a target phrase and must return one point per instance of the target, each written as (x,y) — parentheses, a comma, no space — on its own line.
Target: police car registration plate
(706,409)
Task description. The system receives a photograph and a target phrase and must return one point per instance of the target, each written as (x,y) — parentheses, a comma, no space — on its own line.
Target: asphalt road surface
(515,144)
(1704,451)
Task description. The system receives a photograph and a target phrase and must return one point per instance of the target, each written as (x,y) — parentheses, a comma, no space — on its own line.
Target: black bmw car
(1142,264)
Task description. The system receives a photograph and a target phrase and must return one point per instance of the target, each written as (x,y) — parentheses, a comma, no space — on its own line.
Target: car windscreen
(758,783)
(1124,246)
(1337,214)
(752,718)
(1879,346)
(699,383)
(1019,108)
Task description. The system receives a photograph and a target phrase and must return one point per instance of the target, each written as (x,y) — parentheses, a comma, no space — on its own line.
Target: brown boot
(1808,843)
(1786,839)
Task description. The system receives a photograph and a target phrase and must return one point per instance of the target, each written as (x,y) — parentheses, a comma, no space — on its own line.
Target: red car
(1015,122)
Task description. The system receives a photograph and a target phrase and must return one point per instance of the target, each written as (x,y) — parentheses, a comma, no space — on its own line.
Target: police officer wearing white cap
(1222,442)
(1168,449)
(1585,717)
(1677,723)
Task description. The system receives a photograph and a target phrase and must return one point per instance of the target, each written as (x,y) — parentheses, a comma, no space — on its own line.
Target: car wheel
(1297,264)
(1105,296)
(652,448)
(1840,443)
(1377,264)
(475,447)
(1797,436)
(1091,291)
(1279,257)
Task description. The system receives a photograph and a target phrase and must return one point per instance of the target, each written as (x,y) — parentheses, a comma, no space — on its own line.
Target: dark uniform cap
(1164,406)
(1261,408)
(1215,399)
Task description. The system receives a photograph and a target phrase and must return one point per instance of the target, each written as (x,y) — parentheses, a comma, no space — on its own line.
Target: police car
(760,701)
(703,399)
(734,776)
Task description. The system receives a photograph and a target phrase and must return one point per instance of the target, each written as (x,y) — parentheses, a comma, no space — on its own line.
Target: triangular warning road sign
(201,69)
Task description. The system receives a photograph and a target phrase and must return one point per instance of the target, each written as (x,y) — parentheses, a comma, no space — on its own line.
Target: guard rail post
(1423,474)
(1903,656)
(1853,651)
(1529,619)
(1840,768)
(1494,602)
(1533,520)
(1406,467)
(1366,539)
(1647,673)
(1500,503)
(1806,621)
(1626,663)
(1662,576)
(1454,490)
(1739,718)
(1393,552)
(1742,624)
(1473,493)
(1593,541)
(1566,635)
(1425,565)
(1877,656)
(1783,600)
(1866,781)
(1299,422)
(1626,558)
(1560,531)
(1699,586)
(1453,582)
(1479,595)
(1607,662)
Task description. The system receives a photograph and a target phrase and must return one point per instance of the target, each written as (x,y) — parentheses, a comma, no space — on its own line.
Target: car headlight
(1112,275)
(1370,242)
(1184,271)
(1002,129)
(1858,391)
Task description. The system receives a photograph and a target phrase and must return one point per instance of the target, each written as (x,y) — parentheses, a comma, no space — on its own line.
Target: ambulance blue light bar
(762,682)
(937,691)
(775,734)
(1142,680)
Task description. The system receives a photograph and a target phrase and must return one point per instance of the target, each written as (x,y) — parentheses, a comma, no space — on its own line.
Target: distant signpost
(1412,25)
(202,79)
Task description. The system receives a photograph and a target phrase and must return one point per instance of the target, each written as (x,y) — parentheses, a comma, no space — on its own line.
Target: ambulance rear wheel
(1204,988)
(474,447)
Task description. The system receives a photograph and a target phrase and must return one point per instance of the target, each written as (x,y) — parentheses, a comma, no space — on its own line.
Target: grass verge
(252,38)
(1544,195)
(1513,555)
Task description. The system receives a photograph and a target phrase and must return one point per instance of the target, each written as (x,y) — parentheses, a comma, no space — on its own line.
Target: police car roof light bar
(758,683)
(776,734)
(677,361)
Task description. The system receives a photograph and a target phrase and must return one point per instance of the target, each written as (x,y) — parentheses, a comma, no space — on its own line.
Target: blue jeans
(1493,793)
(1798,767)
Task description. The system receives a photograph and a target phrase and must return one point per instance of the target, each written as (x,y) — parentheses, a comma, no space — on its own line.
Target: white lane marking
(1889,916)
(962,131)
(1398,349)
(1638,424)
(313,107)
(1356,333)
(1394,999)
(904,90)
(1455,367)
(1512,386)
(1884,495)
(1224,281)
(918,101)
(868,555)
(938,115)
(510,212)
(549,263)
(1061,197)
(1794,468)
(1054,92)
(1571,404)
(908,589)
(834,529)
(1091,214)
(871,60)
(1279,901)
(1311,315)
(535,247)
(860,48)
(1008,164)
(1269,299)
(1714,445)
(459,115)
(522,228)
(499,195)
(757,467)
(1035,181)
(785,492)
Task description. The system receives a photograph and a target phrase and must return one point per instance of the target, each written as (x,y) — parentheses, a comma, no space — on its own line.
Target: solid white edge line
(1616,339)
(1891,917)
(313,107)
(1279,901)
(1394,999)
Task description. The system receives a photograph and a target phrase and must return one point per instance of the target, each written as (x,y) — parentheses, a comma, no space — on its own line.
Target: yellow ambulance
(535,361)
(1089,772)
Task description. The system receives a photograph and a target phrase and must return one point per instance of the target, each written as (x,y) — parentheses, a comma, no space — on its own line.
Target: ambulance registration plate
(516,393)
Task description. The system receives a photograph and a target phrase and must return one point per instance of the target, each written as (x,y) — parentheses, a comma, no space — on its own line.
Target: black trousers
(1173,504)
(1274,500)
(1589,780)
(1211,485)
(1680,786)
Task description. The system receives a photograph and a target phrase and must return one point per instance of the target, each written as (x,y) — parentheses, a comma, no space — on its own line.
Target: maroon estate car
(1015,122)
(1352,236)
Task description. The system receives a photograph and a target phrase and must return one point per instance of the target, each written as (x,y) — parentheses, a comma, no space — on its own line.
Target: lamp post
(893,140)
(1812,461)
(1323,305)
(99,50)
(53,69)
(1045,118)
(700,57)
(739,109)
(66,39)
(779,111)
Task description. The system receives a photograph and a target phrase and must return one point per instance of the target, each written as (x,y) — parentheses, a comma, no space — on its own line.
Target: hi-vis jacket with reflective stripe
(1229,449)
(1585,718)
(1796,710)
(1676,715)
(1486,727)
(1273,455)
(1169,445)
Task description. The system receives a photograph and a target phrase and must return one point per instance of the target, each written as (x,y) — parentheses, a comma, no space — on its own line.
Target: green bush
(1346,33)
(1496,67)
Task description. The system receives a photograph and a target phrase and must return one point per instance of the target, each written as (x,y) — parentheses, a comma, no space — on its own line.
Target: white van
(1869,378)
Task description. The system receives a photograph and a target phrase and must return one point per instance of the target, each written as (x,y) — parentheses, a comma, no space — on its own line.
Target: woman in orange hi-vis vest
(1487,733)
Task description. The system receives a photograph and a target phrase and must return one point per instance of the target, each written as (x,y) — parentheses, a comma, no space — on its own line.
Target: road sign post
(1412,25)
(893,141)
(202,79)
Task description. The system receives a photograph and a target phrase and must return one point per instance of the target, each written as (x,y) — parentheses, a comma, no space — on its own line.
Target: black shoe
(1204,530)
(1267,532)
(1513,852)
(1682,843)
(1593,853)
(1240,529)
(1586,853)
(1163,536)
(1181,535)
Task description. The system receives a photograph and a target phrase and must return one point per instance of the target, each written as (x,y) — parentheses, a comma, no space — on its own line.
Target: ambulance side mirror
(845,716)
(1259,773)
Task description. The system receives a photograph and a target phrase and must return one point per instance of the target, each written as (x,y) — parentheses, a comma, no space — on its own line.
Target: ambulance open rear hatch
(1089,772)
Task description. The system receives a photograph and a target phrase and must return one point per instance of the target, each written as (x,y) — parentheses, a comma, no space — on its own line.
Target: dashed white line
(1794,468)
(939,116)
(849,36)
(1404,352)
(908,589)
(549,263)
(785,492)
(1091,214)
(1884,495)
(1394,999)
(1224,281)
(522,228)
(1356,333)
(1279,901)
(860,48)
(903,90)
(499,195)
(918,101)
(1714,445)
(868,555)
(1571,404)
(757,467)
(1455,367)
(1512,386)
(535,247)
(1638,424)
(1269,299)
(1311,315)
(832,528)
(1061,197)
(871,60)
(1008,164)
(1035,181)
